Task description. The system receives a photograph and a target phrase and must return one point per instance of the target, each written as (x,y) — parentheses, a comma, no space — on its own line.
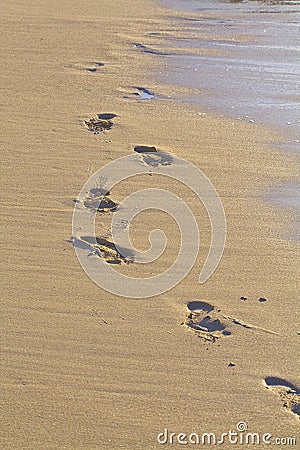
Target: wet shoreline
(253,70)
(249,70)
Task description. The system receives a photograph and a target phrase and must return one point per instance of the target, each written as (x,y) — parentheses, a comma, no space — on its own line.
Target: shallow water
(252,69)
(253,72)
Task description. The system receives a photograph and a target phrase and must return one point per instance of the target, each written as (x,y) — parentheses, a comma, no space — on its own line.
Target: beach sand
(83,368)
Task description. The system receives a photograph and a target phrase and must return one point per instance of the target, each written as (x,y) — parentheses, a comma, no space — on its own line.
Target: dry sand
(82,368)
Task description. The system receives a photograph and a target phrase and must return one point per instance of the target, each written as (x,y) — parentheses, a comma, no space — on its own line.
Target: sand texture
(86,369)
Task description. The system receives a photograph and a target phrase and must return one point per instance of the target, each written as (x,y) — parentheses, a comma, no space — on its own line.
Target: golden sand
(82,368)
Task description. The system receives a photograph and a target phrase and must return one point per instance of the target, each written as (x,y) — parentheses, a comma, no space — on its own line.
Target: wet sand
(251,72)
(82,368)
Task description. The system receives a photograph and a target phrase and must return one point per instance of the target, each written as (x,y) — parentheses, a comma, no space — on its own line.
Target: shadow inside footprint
(197,307)
(106,116)
(275,381)
(288,392)
(144,149)
(296,409)
(212,325)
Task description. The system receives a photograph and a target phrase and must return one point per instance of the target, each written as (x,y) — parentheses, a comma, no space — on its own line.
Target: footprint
(289,394)
(208,323)
(106,206)
(100,122)
(146,49)
(152,157)
(103,248)
(203,320)
(96,195)
(94,67)
(140,93)
(91,67)
(109,252)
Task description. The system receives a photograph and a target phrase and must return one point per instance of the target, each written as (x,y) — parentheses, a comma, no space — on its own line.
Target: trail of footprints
(202,318)
(100,201)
